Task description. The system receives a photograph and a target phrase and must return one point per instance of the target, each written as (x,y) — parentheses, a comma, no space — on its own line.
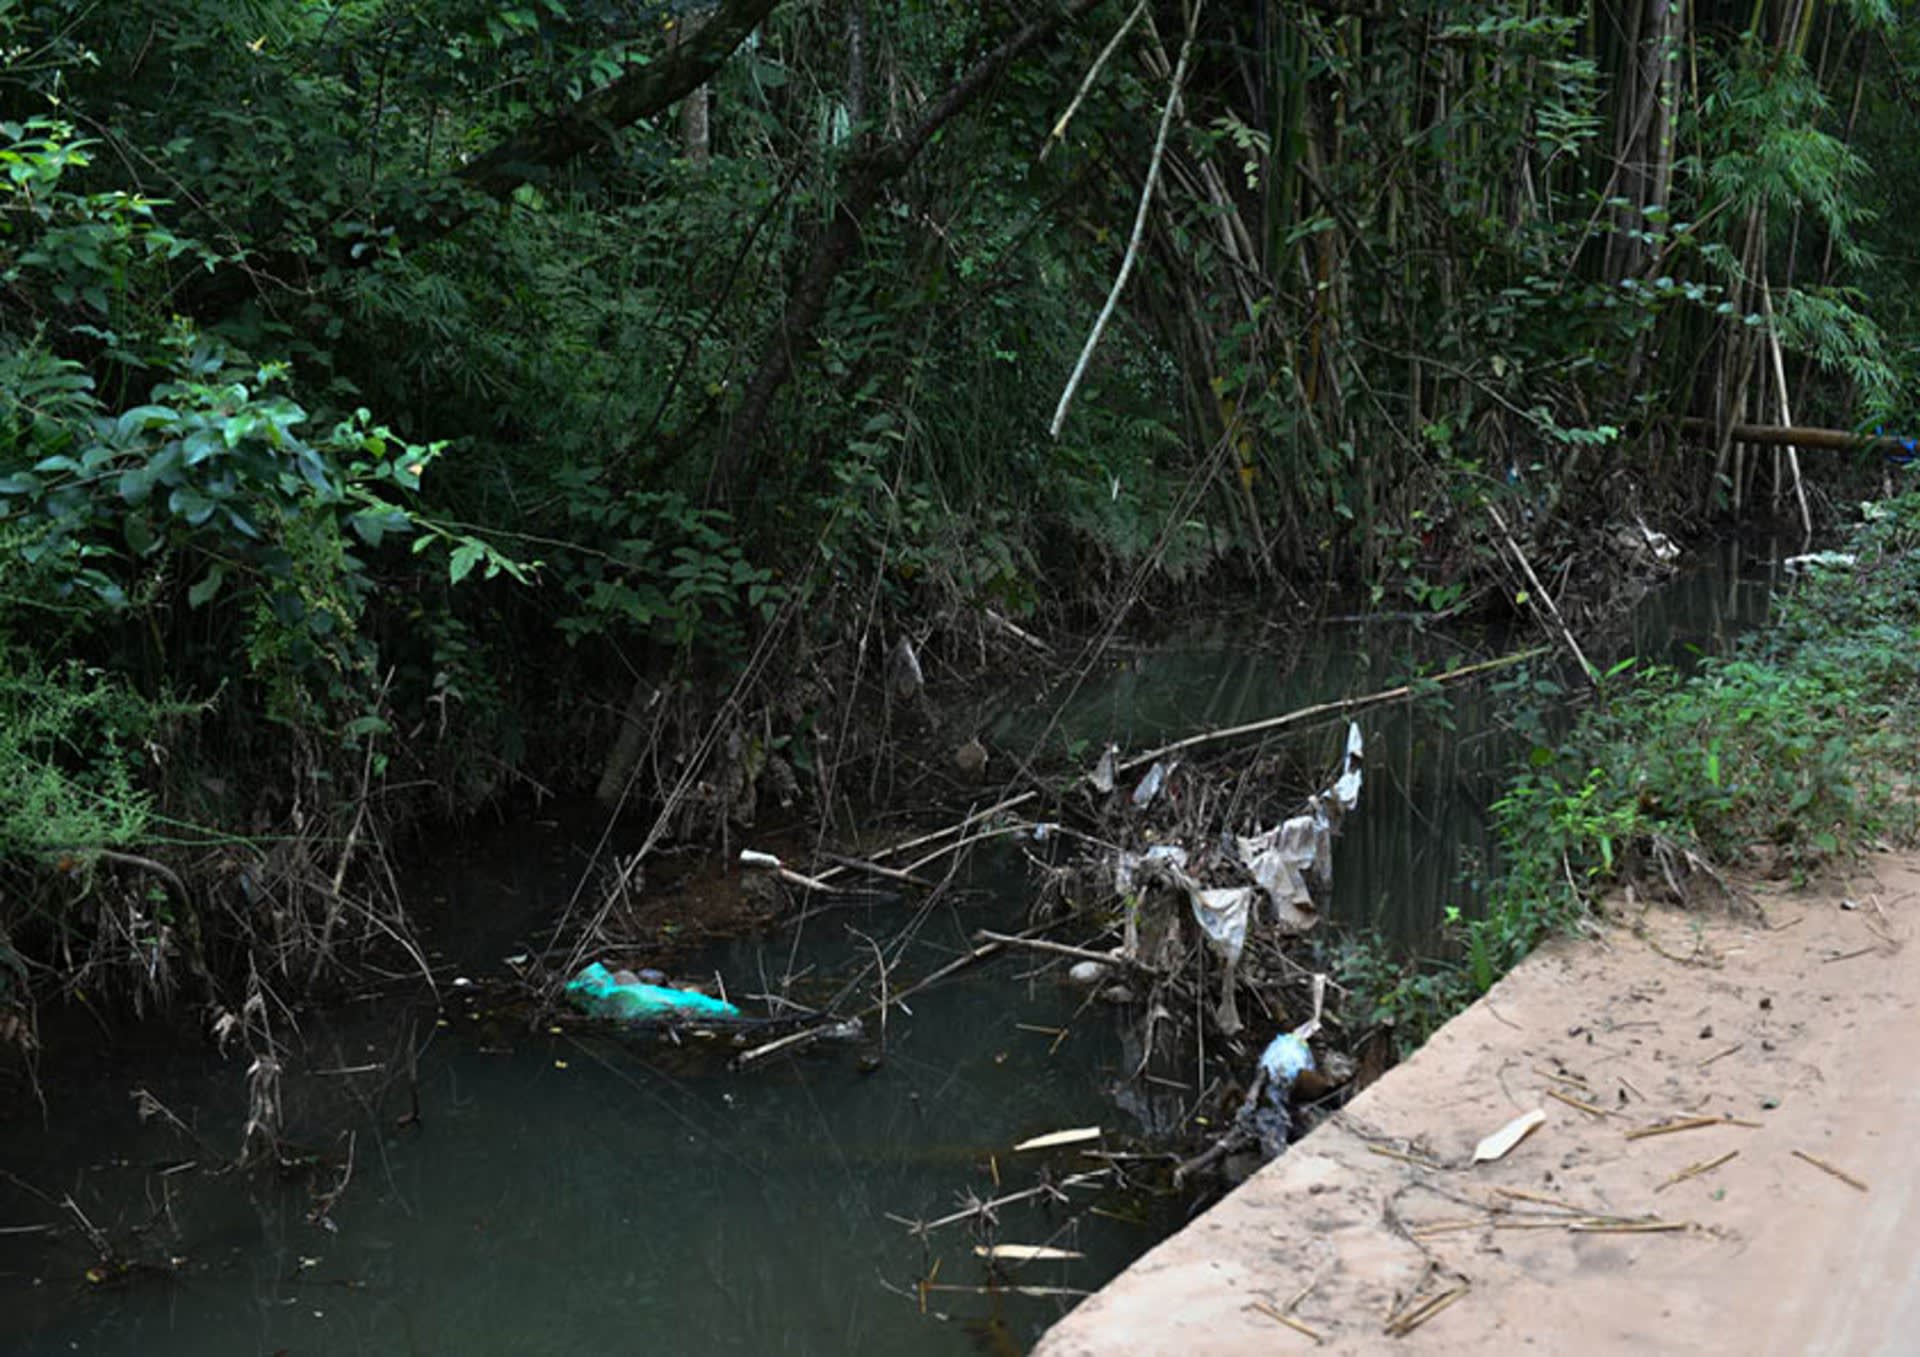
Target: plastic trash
(1286,1058)
(1151,784)
(1222,916)
(1103,776)
(1346,789)
(1496,1145)
(1820,560)
(602,994)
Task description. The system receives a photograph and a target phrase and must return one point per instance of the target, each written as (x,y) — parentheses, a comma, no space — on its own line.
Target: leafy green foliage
(1803,742)
(70,745)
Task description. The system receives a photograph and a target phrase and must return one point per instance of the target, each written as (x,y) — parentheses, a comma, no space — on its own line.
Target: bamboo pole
(1809,439)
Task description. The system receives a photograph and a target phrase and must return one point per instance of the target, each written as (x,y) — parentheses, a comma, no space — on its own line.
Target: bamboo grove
(399,396)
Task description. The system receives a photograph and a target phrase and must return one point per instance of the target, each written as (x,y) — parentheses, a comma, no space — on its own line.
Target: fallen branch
(1345,706)
(1544,599)
(1062,949)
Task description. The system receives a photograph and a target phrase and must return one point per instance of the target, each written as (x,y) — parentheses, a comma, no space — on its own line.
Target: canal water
(570,1193)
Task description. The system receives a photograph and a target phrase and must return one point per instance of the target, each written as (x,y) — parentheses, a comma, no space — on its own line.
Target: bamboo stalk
(1139,225)
(1339,707)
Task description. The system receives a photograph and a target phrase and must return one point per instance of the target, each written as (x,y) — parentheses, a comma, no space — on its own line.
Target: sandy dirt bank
(1800,1035)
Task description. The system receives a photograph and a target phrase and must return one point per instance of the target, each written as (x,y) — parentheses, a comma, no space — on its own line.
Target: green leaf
(191,505)
(465,558)
(139,534)
(209,585)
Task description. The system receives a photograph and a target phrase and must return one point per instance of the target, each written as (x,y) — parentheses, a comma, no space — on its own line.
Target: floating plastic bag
(599,993)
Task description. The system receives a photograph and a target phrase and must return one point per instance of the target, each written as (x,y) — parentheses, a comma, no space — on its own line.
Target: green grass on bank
(1796,751)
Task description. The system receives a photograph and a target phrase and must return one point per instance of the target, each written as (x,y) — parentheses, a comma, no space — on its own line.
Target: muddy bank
(1786,1224)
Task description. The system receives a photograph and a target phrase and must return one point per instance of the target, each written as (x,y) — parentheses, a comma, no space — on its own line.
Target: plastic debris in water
(1102,776)
(602,994)
(1150,785)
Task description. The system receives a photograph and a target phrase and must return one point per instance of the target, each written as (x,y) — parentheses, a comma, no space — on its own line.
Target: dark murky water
(567,1194)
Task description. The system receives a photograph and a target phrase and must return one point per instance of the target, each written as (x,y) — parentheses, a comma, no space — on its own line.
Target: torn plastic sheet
(1222,916)
(1284,860)
(1103,775)
(1151,784)
(1127,866)
(1346,788)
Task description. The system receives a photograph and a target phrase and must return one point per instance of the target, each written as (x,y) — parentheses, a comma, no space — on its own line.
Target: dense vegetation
(400,401)
(1782,759)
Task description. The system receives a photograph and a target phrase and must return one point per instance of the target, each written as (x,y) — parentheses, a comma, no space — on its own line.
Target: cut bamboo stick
(1825,1167)
(1282,1317)
(1589,1108)
(1688,1124)
(1695,1170)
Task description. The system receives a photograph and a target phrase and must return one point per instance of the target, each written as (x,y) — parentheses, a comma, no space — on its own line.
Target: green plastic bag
(597,992)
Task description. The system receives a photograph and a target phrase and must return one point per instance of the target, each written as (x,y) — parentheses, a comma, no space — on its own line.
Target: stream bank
(1503,1184)
(1779,1212)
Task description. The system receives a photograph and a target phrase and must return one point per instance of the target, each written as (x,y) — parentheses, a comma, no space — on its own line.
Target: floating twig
(1572,1079)
(1825,1167)
(1062,949)
(1025,1253)
(1628,1226)
(1722,1055)
(1340,707)
(1054,1139)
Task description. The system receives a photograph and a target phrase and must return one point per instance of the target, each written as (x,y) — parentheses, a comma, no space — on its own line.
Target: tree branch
(588,124)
